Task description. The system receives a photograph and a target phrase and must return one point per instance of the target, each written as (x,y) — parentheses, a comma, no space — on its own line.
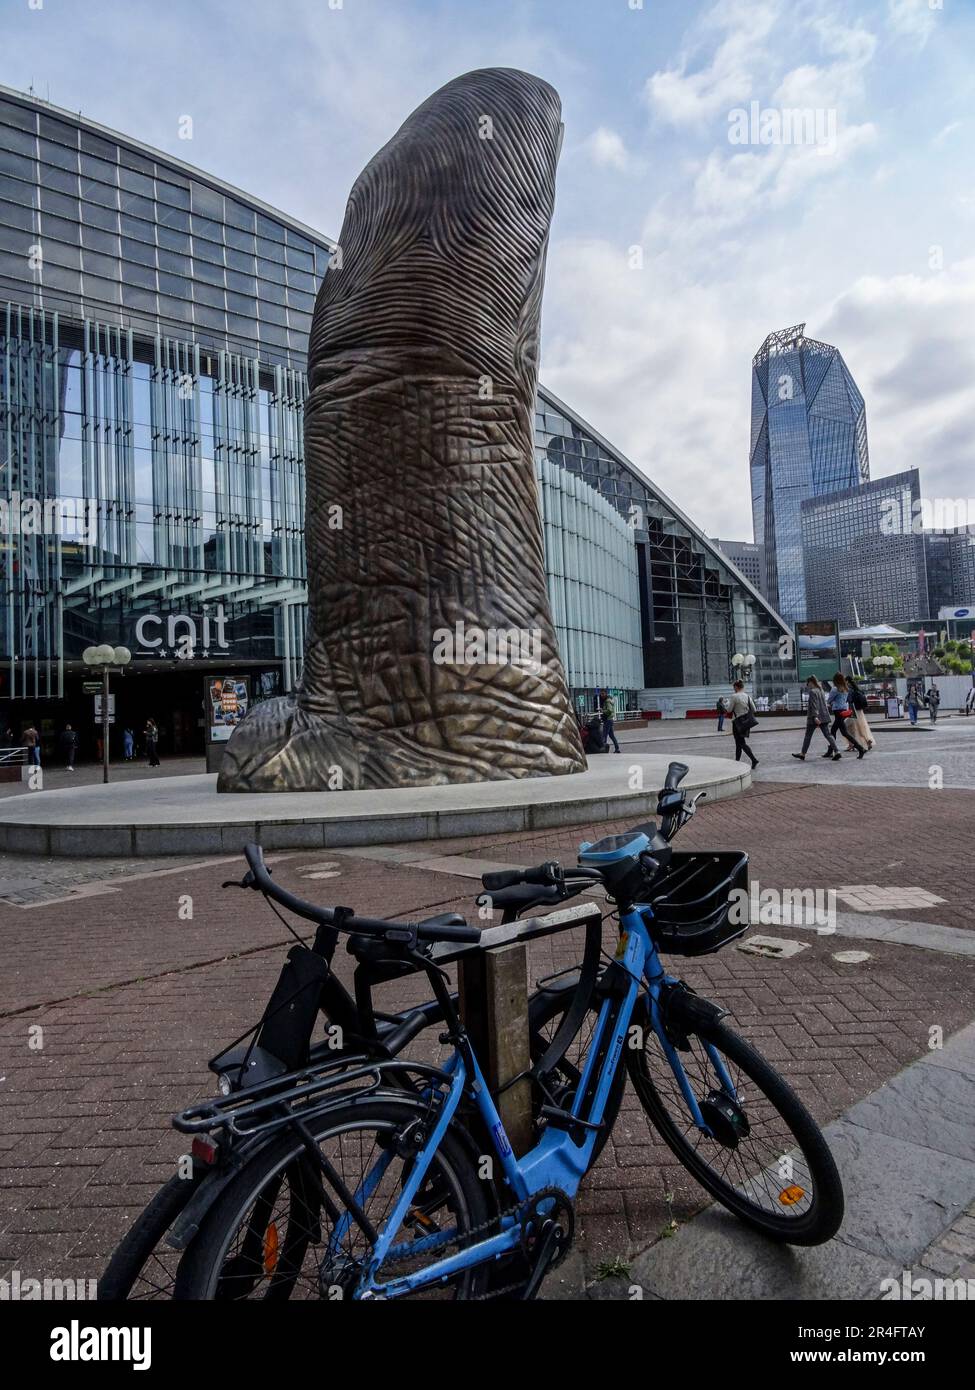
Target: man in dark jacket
(69,746)
(817,717)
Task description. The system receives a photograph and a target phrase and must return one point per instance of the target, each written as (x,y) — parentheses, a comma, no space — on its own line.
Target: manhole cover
(851,957)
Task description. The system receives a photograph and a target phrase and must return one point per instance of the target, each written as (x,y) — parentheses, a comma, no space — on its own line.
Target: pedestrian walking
(933,700)
(843,721)
(32,740)
(608,713)
(744,718)
(722,711)
(858,703)
(128,745)
(912,701)
(817,717)
(69,746)
(151,734)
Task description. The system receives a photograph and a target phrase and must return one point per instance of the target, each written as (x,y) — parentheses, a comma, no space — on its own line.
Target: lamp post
(107,659)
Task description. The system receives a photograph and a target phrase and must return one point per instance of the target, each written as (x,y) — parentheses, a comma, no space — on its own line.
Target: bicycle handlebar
(342,918)
(543,875)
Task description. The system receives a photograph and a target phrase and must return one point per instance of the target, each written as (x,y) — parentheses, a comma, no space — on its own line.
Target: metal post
(104,724)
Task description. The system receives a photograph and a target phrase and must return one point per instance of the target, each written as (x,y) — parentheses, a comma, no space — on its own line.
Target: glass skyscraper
(864,558)
(808,437)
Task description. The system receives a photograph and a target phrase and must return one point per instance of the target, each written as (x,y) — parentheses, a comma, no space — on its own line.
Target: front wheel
(764,1157)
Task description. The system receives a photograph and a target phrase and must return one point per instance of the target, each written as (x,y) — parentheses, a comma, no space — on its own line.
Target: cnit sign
(182,634)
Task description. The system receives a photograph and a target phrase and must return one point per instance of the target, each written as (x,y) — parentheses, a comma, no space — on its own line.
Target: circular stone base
(184,815)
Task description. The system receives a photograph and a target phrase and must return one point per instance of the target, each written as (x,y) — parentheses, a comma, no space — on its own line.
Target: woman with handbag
(741,707)
(858,704)
(842,711)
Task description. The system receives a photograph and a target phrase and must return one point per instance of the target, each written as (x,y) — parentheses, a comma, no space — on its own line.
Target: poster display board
(226,701)
(817,649)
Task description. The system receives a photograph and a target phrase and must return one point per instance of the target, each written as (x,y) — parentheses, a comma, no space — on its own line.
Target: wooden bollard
(493,988)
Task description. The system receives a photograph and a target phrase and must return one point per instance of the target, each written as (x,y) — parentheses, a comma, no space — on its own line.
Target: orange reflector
(270,1249)
(790,1195)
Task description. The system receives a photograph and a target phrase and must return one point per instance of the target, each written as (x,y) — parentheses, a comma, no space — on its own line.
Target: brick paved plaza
(132,994)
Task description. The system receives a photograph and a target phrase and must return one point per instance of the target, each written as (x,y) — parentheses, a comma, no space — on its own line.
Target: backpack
(596,743)
(858,700)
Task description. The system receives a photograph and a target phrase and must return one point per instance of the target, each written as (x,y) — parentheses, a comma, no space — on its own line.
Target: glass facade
(950,561)
(864,560)
(593,587)
(808,437)
(696,607)
(96,224)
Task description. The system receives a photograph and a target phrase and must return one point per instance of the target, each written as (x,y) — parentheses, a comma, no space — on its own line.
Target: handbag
(744,722)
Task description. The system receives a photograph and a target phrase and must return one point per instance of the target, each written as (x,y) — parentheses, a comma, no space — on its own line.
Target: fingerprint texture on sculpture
(423,538)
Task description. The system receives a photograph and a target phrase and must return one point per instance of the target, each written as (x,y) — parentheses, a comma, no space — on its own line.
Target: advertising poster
(227,701)
(818,649)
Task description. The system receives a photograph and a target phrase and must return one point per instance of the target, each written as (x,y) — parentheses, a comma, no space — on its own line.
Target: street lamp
(107,659)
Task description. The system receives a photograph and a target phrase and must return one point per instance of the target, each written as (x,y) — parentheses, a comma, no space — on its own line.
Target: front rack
(300,1095)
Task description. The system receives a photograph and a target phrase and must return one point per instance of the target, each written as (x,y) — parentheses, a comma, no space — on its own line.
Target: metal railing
(12,757)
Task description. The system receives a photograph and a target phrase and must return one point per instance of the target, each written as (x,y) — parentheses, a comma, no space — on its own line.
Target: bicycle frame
(559,1159)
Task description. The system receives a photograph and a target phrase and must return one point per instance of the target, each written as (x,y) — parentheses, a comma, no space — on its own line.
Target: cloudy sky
(676,247)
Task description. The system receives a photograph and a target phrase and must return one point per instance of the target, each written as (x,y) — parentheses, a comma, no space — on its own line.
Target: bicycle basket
(693,911)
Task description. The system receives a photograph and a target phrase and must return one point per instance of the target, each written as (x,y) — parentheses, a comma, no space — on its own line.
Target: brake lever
(246,882)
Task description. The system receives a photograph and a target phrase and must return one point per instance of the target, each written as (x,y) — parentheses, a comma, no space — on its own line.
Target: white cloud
(912,19)
(683,98)
(606,148)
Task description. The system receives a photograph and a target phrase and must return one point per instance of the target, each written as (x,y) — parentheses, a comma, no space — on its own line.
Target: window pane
(60,179)
(22,141)
(97,216)
(58,203)
(208,201)
(19,164)
(174,241)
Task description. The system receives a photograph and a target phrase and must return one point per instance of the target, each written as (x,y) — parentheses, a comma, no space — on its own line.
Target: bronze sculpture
(431,653)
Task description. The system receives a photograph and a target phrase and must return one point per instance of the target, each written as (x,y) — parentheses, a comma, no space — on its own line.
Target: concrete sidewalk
(906,1154)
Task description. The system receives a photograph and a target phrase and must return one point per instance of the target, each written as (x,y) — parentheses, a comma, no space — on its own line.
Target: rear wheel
(144,1266)
(765,1159)
(281,1231)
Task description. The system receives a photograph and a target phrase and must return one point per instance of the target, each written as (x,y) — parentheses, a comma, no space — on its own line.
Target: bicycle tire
(823,1217)
(143,1247)
(201,1271)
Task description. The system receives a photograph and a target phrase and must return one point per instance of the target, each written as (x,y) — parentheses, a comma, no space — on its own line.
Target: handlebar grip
(460,934)
(675,775)
(544,874)
(505,878)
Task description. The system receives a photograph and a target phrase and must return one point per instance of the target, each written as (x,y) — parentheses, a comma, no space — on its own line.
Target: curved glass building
(153,331)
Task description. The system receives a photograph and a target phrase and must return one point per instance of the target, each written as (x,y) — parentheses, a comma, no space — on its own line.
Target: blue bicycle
(397,1179)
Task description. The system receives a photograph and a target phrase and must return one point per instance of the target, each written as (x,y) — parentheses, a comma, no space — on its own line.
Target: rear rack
(298,1095)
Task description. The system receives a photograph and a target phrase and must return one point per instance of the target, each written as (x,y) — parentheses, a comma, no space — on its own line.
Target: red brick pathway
(132,999)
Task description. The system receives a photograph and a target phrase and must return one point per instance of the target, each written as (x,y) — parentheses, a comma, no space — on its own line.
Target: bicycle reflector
(272,1246)
(205,1149)
(789,1196)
